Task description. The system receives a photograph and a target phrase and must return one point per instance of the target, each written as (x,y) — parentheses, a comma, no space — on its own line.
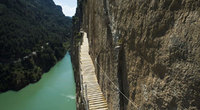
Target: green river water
(55,91)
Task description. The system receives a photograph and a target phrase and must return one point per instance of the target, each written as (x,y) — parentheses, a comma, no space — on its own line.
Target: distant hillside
(34,35)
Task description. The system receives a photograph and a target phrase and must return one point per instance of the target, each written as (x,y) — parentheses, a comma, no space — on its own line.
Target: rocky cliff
(148,49)
(75,55)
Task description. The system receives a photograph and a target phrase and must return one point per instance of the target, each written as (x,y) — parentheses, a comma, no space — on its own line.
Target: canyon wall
(75,55)
(146,52)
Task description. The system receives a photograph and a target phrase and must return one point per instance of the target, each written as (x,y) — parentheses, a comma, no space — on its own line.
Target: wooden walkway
(90,88)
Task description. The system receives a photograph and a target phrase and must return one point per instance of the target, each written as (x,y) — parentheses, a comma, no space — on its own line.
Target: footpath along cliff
(149,49)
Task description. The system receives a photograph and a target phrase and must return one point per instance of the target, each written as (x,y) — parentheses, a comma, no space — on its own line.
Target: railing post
(86,98)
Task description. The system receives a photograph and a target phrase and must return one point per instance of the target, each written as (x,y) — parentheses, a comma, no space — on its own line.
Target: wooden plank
(93,93)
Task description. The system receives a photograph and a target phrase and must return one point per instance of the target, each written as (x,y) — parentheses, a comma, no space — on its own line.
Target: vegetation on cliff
(34,35)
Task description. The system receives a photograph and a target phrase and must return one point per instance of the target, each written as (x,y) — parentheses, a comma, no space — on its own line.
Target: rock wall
(75,55)
(149,49)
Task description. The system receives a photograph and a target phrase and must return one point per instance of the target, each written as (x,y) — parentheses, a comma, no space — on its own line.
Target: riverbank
(35,35)
(55,90)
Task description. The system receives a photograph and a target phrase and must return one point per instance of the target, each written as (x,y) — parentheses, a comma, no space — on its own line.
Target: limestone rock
(158,63)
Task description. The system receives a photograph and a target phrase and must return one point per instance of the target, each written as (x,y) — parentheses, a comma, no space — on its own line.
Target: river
(55,91)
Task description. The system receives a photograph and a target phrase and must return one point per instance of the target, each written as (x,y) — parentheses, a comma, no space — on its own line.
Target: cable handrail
(117,87)
(135,105)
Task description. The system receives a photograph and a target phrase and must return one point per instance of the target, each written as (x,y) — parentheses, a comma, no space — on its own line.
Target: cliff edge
(149,49)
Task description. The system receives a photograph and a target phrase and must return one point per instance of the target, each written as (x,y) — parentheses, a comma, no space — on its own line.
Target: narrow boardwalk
(92,91)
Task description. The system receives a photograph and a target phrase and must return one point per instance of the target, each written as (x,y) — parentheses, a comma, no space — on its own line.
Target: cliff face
(33,37)
(149,49)
(75,56)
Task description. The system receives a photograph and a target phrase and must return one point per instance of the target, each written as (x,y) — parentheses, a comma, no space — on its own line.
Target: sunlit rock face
(149,49)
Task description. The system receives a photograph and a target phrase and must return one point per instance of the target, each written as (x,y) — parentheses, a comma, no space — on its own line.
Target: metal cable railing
(104,73)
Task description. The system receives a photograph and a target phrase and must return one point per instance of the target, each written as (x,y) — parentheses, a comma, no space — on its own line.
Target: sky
(68,6)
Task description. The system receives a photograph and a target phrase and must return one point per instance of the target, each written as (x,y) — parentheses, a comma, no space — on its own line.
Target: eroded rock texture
(150,49)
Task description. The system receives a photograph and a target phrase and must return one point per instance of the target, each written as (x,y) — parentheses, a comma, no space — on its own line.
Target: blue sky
(68,6)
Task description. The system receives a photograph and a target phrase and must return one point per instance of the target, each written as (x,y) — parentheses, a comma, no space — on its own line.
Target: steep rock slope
(149,49)
(75,54)
(34,35)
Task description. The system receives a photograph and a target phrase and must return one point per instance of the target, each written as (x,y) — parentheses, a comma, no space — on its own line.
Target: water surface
(55,91)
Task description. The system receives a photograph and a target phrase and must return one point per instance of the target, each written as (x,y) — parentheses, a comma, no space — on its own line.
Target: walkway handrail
(93,96)
(83,89)
(86,98)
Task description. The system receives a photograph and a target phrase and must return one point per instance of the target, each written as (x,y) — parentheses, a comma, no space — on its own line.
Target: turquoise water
(55,91)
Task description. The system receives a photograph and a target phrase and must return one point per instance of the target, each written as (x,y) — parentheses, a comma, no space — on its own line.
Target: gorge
(34,35)
(35,71)
(145,55)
